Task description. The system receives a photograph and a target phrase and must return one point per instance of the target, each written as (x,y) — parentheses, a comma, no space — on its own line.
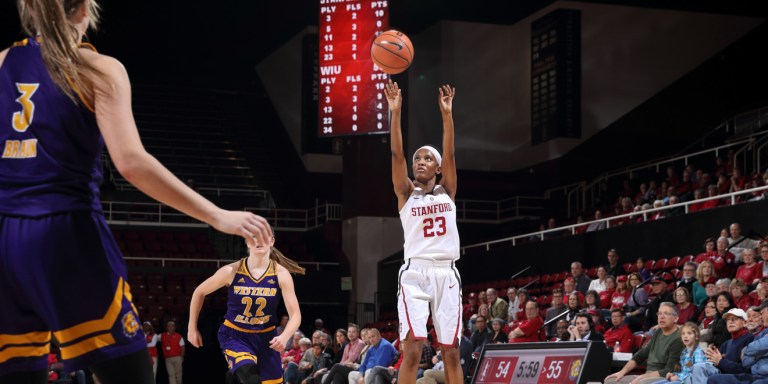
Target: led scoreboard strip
(351,95)
(542,363)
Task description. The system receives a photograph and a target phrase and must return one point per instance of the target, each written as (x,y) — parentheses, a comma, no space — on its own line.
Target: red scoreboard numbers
(351,95)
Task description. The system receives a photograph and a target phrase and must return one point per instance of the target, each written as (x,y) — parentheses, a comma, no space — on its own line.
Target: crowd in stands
(700,312)
(671,188)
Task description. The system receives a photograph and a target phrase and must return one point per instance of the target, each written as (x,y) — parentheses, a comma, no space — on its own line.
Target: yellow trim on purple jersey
(12,346)
(270,271)
(65,336)
(235,327)
(275,381)
(240,356)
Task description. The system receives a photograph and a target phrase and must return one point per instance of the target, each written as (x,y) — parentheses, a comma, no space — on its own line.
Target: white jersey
(429,226)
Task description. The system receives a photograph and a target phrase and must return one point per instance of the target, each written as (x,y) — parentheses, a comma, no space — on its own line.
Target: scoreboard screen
(542,363)
(351,97)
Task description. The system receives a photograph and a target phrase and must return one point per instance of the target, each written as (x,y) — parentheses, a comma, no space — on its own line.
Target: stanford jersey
(51,145)
(429,226)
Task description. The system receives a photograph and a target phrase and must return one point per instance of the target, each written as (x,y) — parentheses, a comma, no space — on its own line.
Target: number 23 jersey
(429,226)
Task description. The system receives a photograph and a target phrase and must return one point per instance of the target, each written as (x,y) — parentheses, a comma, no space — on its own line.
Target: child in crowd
(692,354)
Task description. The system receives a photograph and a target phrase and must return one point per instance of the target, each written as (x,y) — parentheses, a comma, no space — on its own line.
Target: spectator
(686,186)
(296,369)
(636,304)
(436,374)
(692,354)
(727,358)
(351,358)
(173,352)
(554,310)
(688,279)
(686,310)
(497,306)
(723,304)
(152,339)
(568,286)
(738,180)
(739,294)
(712,192)
(574,306)
(641,269)
(618,333)
(497,332)
(562,330)
(293,355)
(661,295)
(598,321)
(598,284)
(522,298)
(340,344)
(552,224)
(388,375)
(281,328)
(698,194)
(470,308)
(660,354)
(613,268)
(658,214)
(739,243)
(482,311)
(582,329)
(711,288)
(709,312)
(319,327)
(427,353)
(621,296)
(582,281)
(592,300)
(754,320)
(482,298)
(607,295)
(513,306)
(704,273)
(481,336)
(724,285)
(529,329)
(763,260)
(721,261)
(750,272)
(599,223)
(381,353)
(320,363)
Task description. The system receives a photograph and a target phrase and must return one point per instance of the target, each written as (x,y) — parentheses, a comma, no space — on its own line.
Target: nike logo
(398,45)
(451,286)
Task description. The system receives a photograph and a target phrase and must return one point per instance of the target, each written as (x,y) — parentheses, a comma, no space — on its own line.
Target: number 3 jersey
(51,145)
(252,304)
(429,226)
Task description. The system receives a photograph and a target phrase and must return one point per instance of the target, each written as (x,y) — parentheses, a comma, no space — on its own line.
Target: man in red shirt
(470,308)
(619,333)
(173,351)
(529,330)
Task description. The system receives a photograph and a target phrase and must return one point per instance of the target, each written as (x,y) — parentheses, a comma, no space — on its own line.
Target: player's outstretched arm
(221,278)
(448,168)
(112,99)
(292,305)
(402,184)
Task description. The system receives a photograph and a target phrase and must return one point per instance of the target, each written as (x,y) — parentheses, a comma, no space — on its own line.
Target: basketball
(392,52)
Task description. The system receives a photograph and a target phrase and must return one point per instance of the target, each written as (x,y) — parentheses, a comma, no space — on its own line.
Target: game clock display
(351,97)
(542,363)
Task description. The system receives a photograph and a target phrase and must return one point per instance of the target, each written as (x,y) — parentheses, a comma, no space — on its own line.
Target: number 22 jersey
(429,226)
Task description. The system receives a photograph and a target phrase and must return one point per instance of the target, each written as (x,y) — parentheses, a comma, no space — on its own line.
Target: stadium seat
(660,264)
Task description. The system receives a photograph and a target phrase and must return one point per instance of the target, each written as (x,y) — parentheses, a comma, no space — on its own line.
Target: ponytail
(287,263)
(59,41)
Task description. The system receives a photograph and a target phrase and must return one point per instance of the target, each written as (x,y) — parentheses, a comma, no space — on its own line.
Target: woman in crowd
(750,272)
(739,291)
(607,294)
(598,284)
(592,300)
(621,296)
(704,272)
(708,314)
(686,310)
(636,304)
(497,332)
(341,341)
(574,306)
(723,303)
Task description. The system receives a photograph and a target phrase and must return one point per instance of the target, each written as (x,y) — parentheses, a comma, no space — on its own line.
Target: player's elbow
(130,164)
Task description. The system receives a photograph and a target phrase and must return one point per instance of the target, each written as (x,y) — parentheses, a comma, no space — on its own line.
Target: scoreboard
(351,97)
(542,363)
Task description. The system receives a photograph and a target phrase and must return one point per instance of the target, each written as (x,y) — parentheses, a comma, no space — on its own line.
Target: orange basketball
(392,52)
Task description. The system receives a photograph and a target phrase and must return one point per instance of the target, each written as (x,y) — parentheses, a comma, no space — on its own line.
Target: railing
(589,189)
(574,193)
(542,235)
(219,262)
(155,214)
(496,212)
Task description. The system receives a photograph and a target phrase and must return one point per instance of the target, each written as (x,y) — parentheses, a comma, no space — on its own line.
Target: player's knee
(248,374)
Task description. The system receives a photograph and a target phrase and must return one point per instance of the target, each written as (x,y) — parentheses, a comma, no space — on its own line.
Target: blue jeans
(702,371)
(739,378)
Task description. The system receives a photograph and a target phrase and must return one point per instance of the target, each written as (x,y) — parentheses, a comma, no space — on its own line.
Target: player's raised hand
(277,343)
(193,335)
(245,224)
(394,96)
(446,98)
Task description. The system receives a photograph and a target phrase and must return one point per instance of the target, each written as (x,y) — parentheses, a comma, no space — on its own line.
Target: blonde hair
(287,263)
(60,42)
(696,333)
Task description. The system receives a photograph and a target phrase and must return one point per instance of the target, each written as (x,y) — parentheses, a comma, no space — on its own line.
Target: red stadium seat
(676,273)
(649,264)
(673,262)
(628,267)
(592,272)
(685,260)
(660,264)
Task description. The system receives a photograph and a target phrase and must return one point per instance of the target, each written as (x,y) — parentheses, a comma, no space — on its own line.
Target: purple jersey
(51,145)
(252,305)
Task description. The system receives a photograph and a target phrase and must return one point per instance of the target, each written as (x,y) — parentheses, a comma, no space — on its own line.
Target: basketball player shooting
(429,280)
